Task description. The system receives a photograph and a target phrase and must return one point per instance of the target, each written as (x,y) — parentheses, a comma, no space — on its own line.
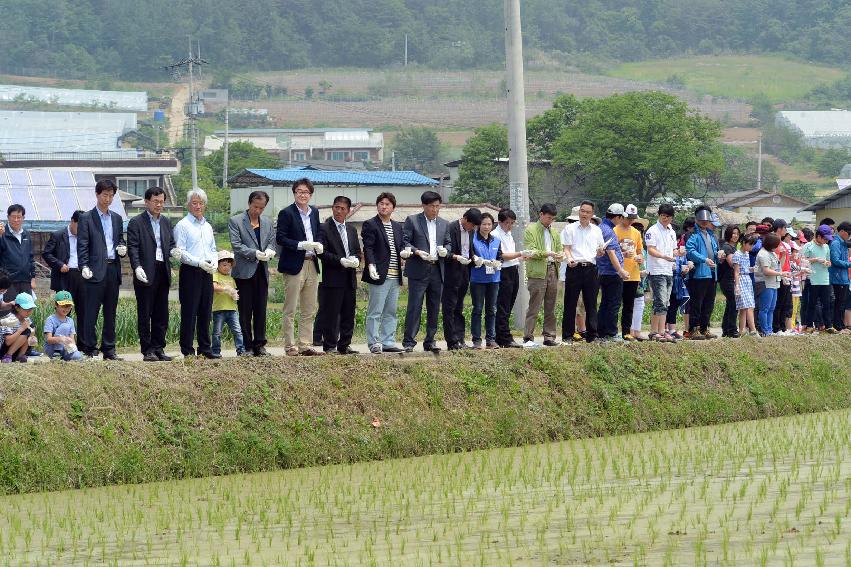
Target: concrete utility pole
(227,132)
(191,62)
(759,165)
(518,174)
(406,50)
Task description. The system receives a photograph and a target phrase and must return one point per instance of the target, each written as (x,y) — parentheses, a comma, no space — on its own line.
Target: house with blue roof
(359,185)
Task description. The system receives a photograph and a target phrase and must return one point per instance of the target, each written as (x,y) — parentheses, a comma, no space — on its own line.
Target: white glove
(121,250)
(318,248)
(86,273)
(497,265)
(405,254)
(355,261)
(442,252)
(261,256)
(141,275)
(305,245)
(270,253)
(478,261)
(208,267)
(424,255)
(373,271)
(176,253)
(527,253)
(463,261)
(234,294)
(346,262)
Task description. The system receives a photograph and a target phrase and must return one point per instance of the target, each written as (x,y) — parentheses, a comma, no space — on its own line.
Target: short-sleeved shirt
(629,264)
(767,260)
(583,241)
(664,240)
(725,270)
(508,247)
(819,274)
(221,300)
(58,328)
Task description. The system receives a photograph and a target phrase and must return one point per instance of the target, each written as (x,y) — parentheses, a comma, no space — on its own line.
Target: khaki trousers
(300,294)
(542,291)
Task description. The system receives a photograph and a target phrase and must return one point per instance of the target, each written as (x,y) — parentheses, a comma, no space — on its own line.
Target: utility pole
(191,62)
(227,128)
(759,165)
(406,50)
(518,174)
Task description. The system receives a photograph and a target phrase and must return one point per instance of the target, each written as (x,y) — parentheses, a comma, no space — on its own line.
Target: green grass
(735,76)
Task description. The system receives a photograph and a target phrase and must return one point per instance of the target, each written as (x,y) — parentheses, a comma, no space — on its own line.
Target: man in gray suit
(426,245)
(253,243)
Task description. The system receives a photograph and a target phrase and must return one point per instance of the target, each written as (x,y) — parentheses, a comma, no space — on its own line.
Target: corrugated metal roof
(344,177)
(25,131)
(120,100)
(817,123)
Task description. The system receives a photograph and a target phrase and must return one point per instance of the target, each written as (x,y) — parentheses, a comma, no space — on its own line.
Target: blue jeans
(767,301)
(484,295)
(232,320)
(381,317)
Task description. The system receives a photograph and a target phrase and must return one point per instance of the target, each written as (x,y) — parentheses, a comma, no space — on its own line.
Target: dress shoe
(512,344)
(261,351)
(432,348)
(454,347)
(163,356)
(150,357)
(391,349)
(111,356)
(245,354)
(211,355)
(310,352)
(550,342)
(409,349)
(348,350)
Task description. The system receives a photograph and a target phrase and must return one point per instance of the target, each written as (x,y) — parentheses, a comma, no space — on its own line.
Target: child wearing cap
(16,330)
(60,334)
(225,297)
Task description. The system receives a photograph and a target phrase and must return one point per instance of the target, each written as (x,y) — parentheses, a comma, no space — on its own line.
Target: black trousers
(702,293)
(72,282)
(338,317)
(509,281)
(611,294)
(783,309)
(840,295)
(580,279)
(629,291)
(196,309)
(101,294)
(730,322)
(429,289)
(152,309)
(452,303)
(819,310)
(252,305)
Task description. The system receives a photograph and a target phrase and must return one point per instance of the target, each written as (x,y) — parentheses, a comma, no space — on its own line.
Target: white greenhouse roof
(50,194)
(119,100)
(25,131)
(818,123)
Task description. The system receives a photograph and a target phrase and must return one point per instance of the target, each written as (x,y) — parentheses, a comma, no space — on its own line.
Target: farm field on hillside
(735,76)
(771,492)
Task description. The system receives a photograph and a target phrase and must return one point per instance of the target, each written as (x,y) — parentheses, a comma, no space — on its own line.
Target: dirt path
(177,113)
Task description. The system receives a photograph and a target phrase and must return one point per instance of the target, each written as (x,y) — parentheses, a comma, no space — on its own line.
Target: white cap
(615,209)
(632,211)
(225,255)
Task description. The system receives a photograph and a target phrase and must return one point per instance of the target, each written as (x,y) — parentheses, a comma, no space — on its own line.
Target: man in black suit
(150,243)
(60,253)
(100,246)
(298,236)
(457,277)
(382,242)
(426,242)
(340,262)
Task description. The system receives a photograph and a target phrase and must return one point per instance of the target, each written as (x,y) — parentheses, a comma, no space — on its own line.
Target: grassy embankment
(105,423)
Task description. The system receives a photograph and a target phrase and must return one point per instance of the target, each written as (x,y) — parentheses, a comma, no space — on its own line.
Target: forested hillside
(135,39)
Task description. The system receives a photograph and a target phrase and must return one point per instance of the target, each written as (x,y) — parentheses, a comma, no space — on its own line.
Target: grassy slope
(130,422)
(739,76)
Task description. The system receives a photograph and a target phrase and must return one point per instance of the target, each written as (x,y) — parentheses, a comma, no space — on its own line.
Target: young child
(60,333)
(225,297)
(679,295)
(16,330)
(745,301)
(798,276)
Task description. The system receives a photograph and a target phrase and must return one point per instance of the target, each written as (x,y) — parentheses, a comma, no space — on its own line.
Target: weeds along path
(73,425)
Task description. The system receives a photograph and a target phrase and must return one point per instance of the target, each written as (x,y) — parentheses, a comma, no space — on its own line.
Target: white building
(820,128)
(304,145)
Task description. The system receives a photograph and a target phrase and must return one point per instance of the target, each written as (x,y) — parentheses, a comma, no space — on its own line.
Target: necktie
(344,238)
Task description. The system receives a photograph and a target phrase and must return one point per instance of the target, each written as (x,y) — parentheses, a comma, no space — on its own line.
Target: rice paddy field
(768,492)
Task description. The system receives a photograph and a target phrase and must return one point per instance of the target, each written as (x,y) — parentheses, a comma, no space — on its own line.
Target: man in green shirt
(817,252)
(543,252)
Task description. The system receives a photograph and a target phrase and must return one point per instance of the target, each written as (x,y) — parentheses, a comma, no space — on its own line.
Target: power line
(190,63)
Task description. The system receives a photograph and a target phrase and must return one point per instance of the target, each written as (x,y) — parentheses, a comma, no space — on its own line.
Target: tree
(417,148)
(241,155)
(831,161)
(480,179)
(799,189)
(543,130)
(641,145)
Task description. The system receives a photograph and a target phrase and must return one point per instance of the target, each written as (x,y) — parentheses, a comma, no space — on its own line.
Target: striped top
(393,270)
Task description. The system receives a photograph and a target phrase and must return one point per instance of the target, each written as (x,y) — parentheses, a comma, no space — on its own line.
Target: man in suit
(382,242)
(252,240)
(457,277)
(16,253)
(150,243)
(100,247)
(60,253)
(340,262)
(426,242)
(298,236)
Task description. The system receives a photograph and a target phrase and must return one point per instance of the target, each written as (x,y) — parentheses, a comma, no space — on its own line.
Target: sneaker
(577,337)
(676,336)
(695,335)
(6,360)
(375,349)
(531,344)
(567,342)
(616,339)
(709,335)
(477,345)
(754,334)
(686,334)
(492,346)
(629,338)
(830,331)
